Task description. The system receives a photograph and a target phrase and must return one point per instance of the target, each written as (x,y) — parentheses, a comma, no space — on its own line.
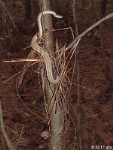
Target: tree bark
(55,124)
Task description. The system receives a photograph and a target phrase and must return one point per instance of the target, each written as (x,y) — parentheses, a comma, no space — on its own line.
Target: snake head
(58,16)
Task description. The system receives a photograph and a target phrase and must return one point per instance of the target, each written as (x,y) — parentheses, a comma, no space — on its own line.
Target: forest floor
(24,118)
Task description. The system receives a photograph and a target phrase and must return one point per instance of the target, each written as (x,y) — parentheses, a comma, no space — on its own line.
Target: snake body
(39,20)
(47,60)
(42,51)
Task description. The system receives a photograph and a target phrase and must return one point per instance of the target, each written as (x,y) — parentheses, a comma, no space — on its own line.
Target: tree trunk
(27,9)
(55,124)
(103,4)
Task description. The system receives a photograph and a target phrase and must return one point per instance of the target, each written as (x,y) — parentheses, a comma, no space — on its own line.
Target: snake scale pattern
(42,51)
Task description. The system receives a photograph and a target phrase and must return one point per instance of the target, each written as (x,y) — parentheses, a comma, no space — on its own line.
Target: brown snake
(42,51)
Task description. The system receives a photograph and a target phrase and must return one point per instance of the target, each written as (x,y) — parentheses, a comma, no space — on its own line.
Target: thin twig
(9,145)
(87,30)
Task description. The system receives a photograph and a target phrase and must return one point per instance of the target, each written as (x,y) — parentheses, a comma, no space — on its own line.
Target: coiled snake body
(47,60)
(42,51)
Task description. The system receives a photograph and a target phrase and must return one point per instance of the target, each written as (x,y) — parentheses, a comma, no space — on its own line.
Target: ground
(24,117)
